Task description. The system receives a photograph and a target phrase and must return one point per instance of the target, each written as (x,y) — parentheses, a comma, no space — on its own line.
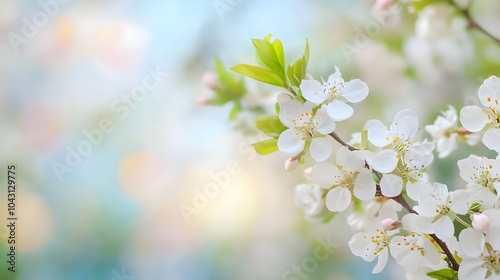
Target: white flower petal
(391,185)
(460,201)
(289,142)
(364,187)
(425,224)
(321,148)
(289,111)
(471,242)
(338,199)
(324,124)
(412,262)
(326,174)
(491,139)
(356,244)
(472,269)
(473,118)
(339,111)
(489,92)
(492,237)
(446,145)
(383,256)
(405,124)
(430,251)
(384,161)
(351,160)
(313,91)
(355,91)
(443,227)
(378,134)
(335,77)
(282,98)
(467,168)
(412,189)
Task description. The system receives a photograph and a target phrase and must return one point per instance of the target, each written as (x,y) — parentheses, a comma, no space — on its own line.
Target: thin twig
(471,22)
(401,200)
(341,142)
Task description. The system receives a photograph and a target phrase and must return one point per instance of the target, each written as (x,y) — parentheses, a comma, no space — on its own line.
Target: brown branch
(446,251)
(401,200)
(471,22)
(341,142)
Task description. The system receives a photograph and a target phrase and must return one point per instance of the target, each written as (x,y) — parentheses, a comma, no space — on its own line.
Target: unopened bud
(308,77)
(210,80)
(283,98)
(291,164)
(203,100)
(481,222)
(390,224)
(308,173)
(383,4)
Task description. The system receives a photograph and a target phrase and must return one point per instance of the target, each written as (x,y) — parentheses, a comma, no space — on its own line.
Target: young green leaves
(229,89)
(270,57)
(272,127)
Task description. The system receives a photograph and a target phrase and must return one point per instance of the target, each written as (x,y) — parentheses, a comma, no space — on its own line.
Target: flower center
(332,90)
(411,242)
(485,179)
(349,176)
(400,144)
(379,239)
(491,260)
(493,114)
(306,125)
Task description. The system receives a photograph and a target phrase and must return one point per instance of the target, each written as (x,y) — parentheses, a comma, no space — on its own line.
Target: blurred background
(117,165)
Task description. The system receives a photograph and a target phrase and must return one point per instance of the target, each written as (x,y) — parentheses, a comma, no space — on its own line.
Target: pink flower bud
(291,164)
(202,100)
(283,97)
(210,80)
(390,224)
(308,77)
(481,222)
(308,173)
(383,4)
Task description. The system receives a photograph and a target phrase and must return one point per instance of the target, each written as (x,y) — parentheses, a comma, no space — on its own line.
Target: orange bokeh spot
(141,174)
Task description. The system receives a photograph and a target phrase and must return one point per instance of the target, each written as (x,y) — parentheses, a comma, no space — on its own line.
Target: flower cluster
(380,177)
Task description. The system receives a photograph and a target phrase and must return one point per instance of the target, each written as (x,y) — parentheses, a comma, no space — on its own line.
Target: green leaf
(364,139)
(291,76)
(270,125)
(329,217)
(266,56)
(234,111)
(305,59)
(443,274)
(419,5)
(266,147)
(224,77)
(280,53)
(259,74)
(298,71)
(230,88)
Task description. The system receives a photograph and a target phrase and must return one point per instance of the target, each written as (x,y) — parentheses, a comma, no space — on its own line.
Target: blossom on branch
(334,94)
(305,127)
(475,118)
